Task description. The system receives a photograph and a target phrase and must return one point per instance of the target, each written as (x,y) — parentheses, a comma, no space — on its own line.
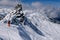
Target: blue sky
(29,1)
(12,3)
(45,2)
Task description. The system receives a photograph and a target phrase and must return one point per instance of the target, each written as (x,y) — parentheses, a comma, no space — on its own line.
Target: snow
(37,27)
(8,33)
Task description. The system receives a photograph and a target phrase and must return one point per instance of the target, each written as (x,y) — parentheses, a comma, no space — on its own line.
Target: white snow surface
(50,31)
(9,33)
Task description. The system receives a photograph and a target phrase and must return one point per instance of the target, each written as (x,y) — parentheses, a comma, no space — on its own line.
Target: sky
(44,2)
(12,3)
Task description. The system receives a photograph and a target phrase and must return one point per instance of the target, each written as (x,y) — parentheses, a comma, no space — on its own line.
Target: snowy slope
(37,27)
(49,29)
(7,33)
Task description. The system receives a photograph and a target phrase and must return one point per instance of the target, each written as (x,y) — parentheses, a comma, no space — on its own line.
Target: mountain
(36,26)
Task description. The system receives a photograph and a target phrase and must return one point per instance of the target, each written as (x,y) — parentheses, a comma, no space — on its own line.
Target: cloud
(33,5)
(36,4)
(8,3)
(12,3)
